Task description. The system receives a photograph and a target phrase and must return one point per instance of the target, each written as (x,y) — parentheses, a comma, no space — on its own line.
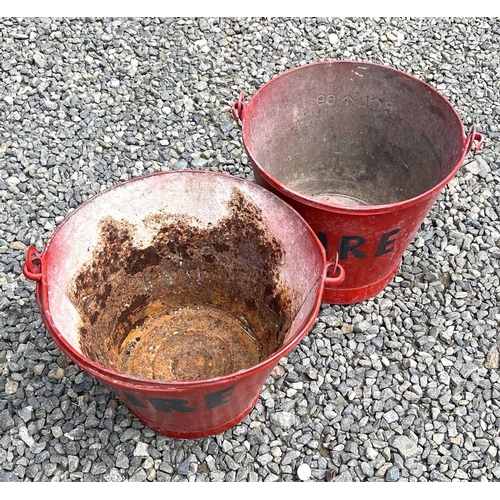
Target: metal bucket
(361,151)
(181,291)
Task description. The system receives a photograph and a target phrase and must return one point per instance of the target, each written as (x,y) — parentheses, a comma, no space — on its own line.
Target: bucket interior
(182,276)
(353,134)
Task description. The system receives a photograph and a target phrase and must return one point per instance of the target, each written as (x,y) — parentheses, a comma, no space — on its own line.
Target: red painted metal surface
(185,409)
(361,151)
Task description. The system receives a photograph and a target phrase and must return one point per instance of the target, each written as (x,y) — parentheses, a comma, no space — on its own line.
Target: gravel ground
(403,387)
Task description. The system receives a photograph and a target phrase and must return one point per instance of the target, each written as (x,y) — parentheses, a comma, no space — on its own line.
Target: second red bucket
(361,151)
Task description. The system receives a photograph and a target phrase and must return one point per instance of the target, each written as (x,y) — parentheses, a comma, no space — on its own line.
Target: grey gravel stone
(468,369)
(333,39)
(139,476)
(392,474)
(438,476)
(184,467)
(122,461)
(26,413)
(496,471)
(8,477)
(180,165)
(73,462)
(492,359)
(345,477)
(141,450)
(405,446)
(227,126)
(367,468)
(39,59)
(284,420)
(391,416)
(304,472)
(113,476)
(11,387)
(6,421)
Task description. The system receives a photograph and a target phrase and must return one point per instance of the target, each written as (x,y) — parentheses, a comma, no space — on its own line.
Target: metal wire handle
(237,109)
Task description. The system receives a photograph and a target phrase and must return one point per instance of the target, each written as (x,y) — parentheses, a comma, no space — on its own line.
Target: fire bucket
(361,151)
(181,291)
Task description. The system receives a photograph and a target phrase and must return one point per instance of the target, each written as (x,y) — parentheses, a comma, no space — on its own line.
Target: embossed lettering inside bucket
(181,291)
(361,151)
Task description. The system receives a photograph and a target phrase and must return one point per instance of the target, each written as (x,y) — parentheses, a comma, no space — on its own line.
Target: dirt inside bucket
(218,343)
(195,303)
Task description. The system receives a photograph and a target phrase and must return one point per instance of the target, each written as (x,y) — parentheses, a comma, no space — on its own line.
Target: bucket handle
(32,268)
(338,272)
(473,137)
(237,109)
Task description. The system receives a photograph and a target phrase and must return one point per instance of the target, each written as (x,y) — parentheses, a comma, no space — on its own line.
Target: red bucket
(361,151)
(181,291)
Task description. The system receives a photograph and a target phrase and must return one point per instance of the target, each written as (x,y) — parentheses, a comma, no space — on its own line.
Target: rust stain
(194,304)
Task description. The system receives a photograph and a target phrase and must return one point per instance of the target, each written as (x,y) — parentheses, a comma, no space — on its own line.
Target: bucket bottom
(353,295)
(189,343)
(341,199)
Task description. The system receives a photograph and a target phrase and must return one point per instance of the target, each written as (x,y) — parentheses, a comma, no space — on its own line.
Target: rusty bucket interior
(182,276)
(352,133)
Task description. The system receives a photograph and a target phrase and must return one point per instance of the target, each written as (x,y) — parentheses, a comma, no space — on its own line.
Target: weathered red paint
(305,113)
(178,409)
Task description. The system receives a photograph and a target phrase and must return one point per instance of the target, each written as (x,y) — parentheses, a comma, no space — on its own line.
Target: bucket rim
(361,209)
(117,378)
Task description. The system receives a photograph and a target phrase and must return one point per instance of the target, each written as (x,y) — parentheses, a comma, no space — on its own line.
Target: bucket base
(202,433)
(353,295)
(340,199)
(189,343)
